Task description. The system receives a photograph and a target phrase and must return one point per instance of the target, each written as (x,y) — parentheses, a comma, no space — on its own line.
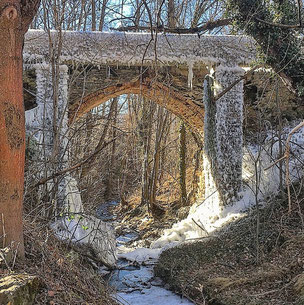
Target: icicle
(190,74)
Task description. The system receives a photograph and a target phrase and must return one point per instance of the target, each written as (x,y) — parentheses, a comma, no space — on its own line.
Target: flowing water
(133,279)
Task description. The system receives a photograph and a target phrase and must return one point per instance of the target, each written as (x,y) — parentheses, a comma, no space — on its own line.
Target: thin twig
(287,155)
(274,163)
(3,230)
(200,226)
(74,167)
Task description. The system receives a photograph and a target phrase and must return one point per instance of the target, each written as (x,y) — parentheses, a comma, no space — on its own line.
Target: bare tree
(15,18)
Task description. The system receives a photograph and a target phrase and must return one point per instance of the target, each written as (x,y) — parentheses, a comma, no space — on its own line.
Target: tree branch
(75,166)
(221,94)
(280,25)
(210,25)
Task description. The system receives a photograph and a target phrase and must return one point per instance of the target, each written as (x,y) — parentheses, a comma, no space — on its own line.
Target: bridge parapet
(101,48)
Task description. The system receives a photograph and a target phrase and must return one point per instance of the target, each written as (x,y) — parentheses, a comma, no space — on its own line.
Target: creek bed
(133,279)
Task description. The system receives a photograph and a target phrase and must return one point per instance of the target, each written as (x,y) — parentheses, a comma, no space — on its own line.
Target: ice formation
(229,129)
(190,74)
(75,227)
(131,48)
(207,216)
(151,297)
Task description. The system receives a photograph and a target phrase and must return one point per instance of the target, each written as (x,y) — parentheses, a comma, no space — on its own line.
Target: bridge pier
(47,124)
(223,135)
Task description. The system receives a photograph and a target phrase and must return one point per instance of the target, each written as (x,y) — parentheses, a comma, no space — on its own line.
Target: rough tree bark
(15,18)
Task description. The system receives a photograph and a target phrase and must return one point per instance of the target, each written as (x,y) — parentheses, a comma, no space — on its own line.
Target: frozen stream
(133,278)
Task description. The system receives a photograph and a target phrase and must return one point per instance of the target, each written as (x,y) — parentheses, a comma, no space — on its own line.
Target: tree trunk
(93,15)
(145,130)
(182,163)
(102,15)
(162,117)
(109,182)
(171,14)
(14,21)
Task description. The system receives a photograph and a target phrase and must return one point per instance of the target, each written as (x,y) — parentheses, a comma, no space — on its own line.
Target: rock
(299,285)
(157,282)
(19,289)
(95,238)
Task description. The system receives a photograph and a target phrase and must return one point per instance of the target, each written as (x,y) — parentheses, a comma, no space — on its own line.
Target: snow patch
(207,216)
(89,231)
(141,255)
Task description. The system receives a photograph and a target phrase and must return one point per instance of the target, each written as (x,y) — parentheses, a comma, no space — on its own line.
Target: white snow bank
(141,255)
(208,216)
(85,229)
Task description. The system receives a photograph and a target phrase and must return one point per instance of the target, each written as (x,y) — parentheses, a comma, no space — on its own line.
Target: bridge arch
(178,104)
(223,56)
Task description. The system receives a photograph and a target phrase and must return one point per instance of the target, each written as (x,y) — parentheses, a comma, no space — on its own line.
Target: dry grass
(225,269)
(67,277)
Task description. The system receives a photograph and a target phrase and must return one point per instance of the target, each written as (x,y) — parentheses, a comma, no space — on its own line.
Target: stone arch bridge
(169,69)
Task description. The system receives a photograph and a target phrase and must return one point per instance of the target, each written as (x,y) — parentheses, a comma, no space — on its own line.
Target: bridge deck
(101,48)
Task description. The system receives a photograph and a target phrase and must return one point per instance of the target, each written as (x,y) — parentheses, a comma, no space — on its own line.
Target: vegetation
(224,268)
(132,149)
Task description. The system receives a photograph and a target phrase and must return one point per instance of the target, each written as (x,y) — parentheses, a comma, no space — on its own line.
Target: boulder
(19,289)
(91,234)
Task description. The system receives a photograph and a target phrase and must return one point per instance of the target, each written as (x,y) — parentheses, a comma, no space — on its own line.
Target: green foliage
(281,47)
(71,217)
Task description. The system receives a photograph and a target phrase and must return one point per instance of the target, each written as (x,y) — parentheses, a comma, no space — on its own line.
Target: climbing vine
(275,26)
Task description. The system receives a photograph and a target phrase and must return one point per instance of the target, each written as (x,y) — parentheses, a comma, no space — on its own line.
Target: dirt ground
(237,266)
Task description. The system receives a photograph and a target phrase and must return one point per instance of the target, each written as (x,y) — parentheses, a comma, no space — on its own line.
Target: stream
(133,279)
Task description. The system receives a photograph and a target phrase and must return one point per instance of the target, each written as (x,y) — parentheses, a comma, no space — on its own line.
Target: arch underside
(183,107)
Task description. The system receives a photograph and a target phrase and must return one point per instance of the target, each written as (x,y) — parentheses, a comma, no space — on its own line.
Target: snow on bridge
(223,56)
(140,48)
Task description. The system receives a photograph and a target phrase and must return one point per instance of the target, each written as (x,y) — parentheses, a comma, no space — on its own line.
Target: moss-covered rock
(19,289)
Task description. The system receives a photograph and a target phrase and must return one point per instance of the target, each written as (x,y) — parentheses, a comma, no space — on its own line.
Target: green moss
(280,46)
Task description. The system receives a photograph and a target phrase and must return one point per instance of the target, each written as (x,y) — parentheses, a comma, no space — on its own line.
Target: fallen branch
(74,167)
(208,26)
